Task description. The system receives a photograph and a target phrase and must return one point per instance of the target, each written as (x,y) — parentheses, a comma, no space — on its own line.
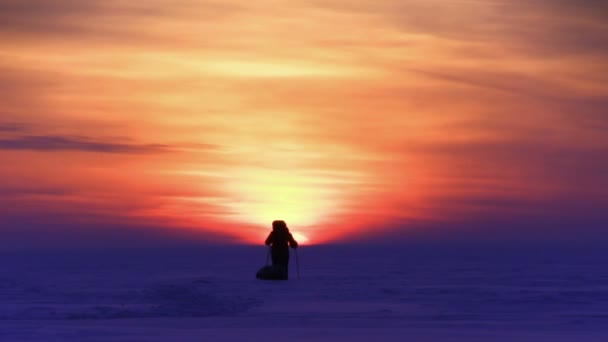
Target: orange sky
(337,116)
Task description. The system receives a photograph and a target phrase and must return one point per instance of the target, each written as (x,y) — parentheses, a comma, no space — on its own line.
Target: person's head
(279,225)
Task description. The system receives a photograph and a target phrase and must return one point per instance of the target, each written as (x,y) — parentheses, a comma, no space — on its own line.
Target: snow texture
(344,293)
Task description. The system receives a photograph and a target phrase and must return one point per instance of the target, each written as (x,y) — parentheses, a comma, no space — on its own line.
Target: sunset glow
(342,118)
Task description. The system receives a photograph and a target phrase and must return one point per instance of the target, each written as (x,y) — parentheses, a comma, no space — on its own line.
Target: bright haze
(348,119)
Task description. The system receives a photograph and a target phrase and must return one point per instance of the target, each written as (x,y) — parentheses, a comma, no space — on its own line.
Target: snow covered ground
(349,293)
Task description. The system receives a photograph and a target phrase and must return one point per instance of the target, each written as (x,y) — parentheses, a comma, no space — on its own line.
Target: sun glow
(300,238)
(299,199)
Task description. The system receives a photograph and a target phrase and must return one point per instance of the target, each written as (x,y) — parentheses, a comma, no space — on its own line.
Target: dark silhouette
(279,240)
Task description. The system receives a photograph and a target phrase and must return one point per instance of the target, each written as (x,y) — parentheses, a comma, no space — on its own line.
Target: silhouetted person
(280,239)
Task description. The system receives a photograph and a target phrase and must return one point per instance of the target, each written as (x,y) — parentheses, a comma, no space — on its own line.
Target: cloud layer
(337,116)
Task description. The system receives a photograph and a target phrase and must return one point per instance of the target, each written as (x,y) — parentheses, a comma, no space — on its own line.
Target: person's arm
(292,242)
(268,239)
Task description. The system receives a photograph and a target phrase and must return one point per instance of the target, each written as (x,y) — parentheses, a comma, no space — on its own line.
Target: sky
(352,120)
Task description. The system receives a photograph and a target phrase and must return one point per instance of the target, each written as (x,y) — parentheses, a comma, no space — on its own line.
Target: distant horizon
(147,237)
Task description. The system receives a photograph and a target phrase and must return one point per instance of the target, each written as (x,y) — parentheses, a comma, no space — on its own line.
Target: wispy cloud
(14,190)
(97,19)
(11,127)
(536,27)
(51,143)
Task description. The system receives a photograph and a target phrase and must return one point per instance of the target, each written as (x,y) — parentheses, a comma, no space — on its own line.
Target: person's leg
(281,260)
(276,259)
(285,265)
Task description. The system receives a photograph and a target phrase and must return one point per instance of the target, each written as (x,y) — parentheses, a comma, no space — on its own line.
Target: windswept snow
(344,293)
